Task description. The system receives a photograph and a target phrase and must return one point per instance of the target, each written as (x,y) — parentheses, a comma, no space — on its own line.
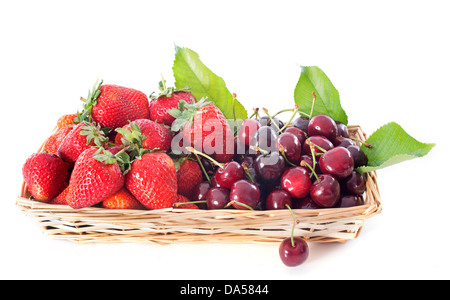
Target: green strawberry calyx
(185,113)
(89,102)
(165,91)
(121,158)
(94,133)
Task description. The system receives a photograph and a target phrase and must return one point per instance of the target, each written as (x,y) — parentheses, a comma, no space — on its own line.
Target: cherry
(229,173)
(343,142)
(247,130)
(275,125)
(350,201)
(244,195)
(217,198)
(320,141)
(296,182)
(359,157)
(306,203)
(293,251)
(289,144)
(301,123)
(300,134)
(214,181)
(325,191)
(322,125)
(199,192)
(342,130)
(337,162)
(269,167)
(278,199)
(355,184)
(264,138)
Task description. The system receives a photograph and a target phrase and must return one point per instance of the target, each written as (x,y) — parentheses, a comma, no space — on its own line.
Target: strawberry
(96,176)
(167,99)
(205,128)
(123,199)
(113,106)
(45,175)
(188,176)
(183,199)
(53,142)
(152,179)
(83,136)
(157,137)
(65,120)
(61,199)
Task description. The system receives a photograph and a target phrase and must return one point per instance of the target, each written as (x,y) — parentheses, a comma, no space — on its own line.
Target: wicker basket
(162,226)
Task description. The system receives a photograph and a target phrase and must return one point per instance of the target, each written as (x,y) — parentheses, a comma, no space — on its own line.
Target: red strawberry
(61,199)
(168,98)
(65,120)
(205,128)
(45,175)
(54,141)
(122,200)
(158,137)
(82,137)
(183,199)
(189,175)
(93,180)
(113,106)
(152,179)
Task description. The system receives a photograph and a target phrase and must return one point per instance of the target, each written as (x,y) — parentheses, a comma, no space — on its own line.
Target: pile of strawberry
(119,153)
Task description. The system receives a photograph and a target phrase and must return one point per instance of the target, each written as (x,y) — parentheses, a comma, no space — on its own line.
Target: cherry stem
(255,113)
(362,142)
(190,149)
(293,226)
(290,120)
(312,145)
(313,104)
(203,168)
(244,165)
(282,150)
(304,163)
(239,203)
(191,202)
(271,119)
(234,109)
(258,149)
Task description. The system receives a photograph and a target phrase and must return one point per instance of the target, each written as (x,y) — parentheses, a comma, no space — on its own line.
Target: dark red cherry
(291,146)
(355,184)
(342,130)
(326,191)
(265,138)
(296,182)
(217,198)
(244,194)
(320,141)
(229,174)
(300,134)
(350,201)
(269,167)
(301,123)
(305,203)
(199,193)
(359,157)
(293,251)
(322,125)
(278,199)
(343,142)
(337,162)
(247,130)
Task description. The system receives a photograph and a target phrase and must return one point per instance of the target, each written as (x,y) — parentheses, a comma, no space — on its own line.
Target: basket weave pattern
(93,224)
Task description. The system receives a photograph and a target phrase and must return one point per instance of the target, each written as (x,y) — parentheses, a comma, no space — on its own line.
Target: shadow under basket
(93,224)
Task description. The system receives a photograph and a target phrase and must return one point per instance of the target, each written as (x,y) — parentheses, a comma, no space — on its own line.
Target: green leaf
(313,79)
(189,71)
(392,145)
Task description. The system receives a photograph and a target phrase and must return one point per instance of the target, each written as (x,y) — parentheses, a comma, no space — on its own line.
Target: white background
(388,59)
